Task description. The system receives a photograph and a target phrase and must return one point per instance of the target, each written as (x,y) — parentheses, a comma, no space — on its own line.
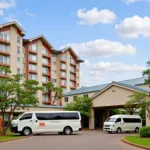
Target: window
(53,55)
(54,72)
(26,117)
(45,97)
(86,95)
(63,74)
(18,70)
(24,65)
(45,70)
(132,120)
(75,97)
(63,66)
(54,80)
(44,60)
(32,57)
(23,55)
(18,50)
(18,60)
(32,76)
(43,116)
(72,61)
(63,57)
(63,82)
(18,39)
(66,99)
(45,79)
(4,48)
(24,75)
(44,52)
(118,120)
(4,59)
(33,47)
(72,84)
(4,36)
(72,68)
(72,76)
(32,67)
(54,63)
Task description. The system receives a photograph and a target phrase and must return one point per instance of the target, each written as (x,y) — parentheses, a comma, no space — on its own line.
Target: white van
(47,121)
(123,123)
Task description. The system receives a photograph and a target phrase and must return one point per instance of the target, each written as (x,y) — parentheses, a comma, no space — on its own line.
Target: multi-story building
(37,59)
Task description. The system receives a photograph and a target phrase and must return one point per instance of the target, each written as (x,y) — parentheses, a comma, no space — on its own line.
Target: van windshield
(111,120)
(18,116)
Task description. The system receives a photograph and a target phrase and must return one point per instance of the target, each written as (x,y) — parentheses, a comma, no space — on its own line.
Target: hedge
(145,131)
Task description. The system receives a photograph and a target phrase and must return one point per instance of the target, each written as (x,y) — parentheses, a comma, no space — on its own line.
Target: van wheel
(67,130)
(26,131)
(119,130)
(136,130)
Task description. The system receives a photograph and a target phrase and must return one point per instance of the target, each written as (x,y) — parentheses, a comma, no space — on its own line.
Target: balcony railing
(32,51)
(33,71)
(7,53)
(3,63)
(2,40)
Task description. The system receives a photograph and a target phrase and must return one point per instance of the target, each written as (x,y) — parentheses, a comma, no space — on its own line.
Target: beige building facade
(37,59)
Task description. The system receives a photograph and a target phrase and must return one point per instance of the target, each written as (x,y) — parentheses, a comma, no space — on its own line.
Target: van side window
(71,116)
(43,116)
(26,117)
(132,120)
(118,120)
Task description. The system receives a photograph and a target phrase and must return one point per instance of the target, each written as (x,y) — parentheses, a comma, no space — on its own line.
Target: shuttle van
(123,123)
(63,122)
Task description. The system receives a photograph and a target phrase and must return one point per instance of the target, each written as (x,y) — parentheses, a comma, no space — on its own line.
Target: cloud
(133,1)
(134,27)
(5,4)
(102,48)
(95,16)
(12,18)
(115,67)
(1,12)
(29,13)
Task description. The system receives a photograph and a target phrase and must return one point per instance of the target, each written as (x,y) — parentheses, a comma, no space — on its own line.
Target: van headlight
(111,125)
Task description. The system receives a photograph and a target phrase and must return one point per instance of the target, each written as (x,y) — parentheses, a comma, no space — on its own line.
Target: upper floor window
(72,84)
(72,76)
(45,79)
(63,57)
(32,67)
(72,68)
(54,80)
(54,72)
(53,55)
(63,74)
(18,39)
(72,61)
(33,47)
(4,36)
(4,48)
(44,60)
(18,50)
(18,70)
(45,70)
(45,97)
(33,76)
(63,82)
(45,52)
(4,59)
(63,66)
(54,63)
(66,99)
(18,60)
(33,57)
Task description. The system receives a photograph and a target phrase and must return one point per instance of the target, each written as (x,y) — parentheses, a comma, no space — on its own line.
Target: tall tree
(57,91)
(147,73)
(81,104)
(15,95)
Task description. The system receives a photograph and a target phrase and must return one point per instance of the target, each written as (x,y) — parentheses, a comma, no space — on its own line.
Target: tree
(140,100)
(81,104)
(147,73)
(15,95)
(57,91)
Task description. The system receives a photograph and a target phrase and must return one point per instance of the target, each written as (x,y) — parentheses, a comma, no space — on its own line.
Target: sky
(112,37)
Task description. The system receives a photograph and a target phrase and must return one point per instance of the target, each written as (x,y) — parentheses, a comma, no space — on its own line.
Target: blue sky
(99,31)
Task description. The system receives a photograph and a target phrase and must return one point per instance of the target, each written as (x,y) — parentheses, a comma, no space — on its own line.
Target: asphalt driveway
(85,140)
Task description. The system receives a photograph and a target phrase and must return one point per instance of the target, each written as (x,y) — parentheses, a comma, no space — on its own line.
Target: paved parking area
(85,140)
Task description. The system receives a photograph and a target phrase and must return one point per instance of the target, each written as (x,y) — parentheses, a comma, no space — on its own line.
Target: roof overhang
(14,23)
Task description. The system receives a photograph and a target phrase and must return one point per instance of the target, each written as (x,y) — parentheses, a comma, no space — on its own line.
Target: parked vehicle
(123,123)
(63,122)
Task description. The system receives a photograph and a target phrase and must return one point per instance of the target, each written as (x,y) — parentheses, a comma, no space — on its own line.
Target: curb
(136,145)
(14,139)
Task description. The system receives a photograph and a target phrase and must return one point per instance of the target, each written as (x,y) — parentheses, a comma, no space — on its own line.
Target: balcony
(4,53)
(33,61)
(4,76)
(63,68)
(63,85)
(63,77)
(63,60)
(4,41)
(72,71)
(4,64)
(46,73)
(72,79)
(46,64)
(72,87)
(33,71)
(46,102)
(46,56)
(33,52)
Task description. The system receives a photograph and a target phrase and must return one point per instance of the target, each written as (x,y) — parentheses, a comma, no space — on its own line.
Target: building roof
(72,51)
(131,82)
(42,37)
(15,24)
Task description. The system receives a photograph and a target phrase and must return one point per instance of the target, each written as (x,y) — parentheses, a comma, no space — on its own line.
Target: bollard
(0,125)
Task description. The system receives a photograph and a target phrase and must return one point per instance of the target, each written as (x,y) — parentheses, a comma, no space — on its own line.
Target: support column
(92,120)
(147,119)
(106,114)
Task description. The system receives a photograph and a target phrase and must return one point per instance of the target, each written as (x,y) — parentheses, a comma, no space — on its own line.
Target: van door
(118,123)
(25,121)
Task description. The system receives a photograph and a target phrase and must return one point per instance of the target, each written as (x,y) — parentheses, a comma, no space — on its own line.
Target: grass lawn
(138,140)
(9,136)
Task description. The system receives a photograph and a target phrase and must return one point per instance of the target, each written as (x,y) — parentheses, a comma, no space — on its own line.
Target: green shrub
(145,131)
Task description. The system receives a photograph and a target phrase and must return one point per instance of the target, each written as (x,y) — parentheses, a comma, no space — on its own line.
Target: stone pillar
(0,125)
(106,114)
(92,120)
(147,119)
